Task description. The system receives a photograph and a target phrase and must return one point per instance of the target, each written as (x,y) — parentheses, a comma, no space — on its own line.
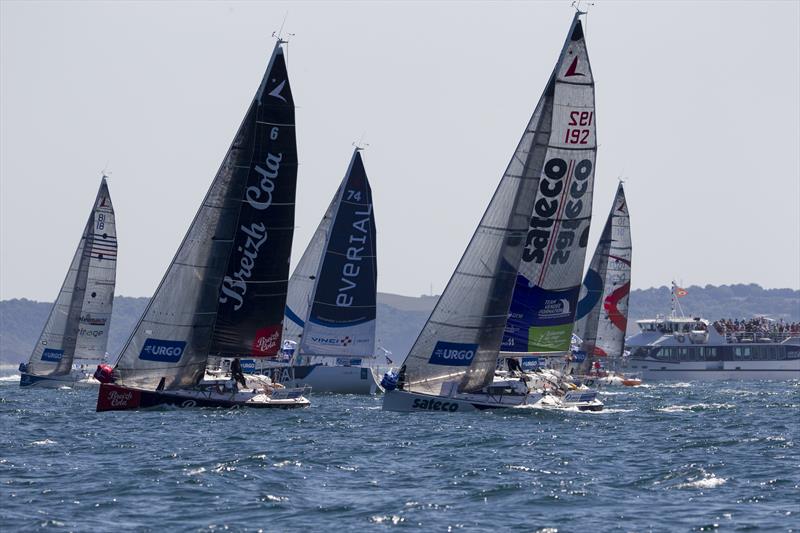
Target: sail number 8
(579,135)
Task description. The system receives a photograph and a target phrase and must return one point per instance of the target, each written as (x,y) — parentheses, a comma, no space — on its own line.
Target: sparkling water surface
(664,457)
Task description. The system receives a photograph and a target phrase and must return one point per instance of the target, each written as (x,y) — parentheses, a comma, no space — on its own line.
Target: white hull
(718,370)
(327,379)
(73,380)
(411,402)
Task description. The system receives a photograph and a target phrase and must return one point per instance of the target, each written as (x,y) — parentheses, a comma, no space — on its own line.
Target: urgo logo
(162,350)
(453,354)
(52,356)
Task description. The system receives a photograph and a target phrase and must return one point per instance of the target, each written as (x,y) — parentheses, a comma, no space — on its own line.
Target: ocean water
(669,457)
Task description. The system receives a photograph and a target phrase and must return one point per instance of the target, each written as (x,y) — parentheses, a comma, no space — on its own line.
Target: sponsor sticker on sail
(453,354)
(163,351)
(267,341)
(52,356)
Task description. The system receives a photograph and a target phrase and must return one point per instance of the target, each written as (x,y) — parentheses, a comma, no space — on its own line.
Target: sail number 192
(579,135)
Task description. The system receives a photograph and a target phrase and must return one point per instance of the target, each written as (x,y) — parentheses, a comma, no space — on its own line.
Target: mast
(224,292)
(77,326)
(461,340)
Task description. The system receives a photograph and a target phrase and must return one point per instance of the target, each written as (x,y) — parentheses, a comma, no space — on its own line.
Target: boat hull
(653,370)
(413,402)
(114,397)
(582,400)
(55,382)
(327,379)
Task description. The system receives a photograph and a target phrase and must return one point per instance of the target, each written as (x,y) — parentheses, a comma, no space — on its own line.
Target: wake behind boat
(74,338)
(529,245)
(224,293)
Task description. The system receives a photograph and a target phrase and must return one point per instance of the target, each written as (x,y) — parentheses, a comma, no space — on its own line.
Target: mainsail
(542,311)
(77,327)
(603,307)
(225,291)
(461,340)
(339,316)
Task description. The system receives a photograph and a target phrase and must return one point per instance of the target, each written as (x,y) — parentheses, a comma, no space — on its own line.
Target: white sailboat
(603,306)
(330,311)
(224,293)
(75,336)
(541,208)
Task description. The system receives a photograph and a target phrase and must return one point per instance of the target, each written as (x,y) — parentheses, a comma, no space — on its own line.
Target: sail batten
(225,290)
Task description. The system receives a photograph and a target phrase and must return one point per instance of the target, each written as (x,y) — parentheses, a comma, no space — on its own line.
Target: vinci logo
(453,354)
(162,351)
(267,341)
(52,356)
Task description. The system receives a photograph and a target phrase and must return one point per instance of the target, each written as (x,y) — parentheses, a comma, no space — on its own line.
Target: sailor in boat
(236,372)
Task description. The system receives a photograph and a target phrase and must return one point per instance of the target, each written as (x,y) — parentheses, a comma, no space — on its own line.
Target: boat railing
(757,336)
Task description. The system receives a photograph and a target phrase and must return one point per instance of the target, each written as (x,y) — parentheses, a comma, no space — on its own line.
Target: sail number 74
(579,135)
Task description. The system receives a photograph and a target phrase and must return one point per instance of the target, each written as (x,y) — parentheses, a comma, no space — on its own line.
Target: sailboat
(329,324)
(225,291)
(538,213)
(75,336)
(603,306)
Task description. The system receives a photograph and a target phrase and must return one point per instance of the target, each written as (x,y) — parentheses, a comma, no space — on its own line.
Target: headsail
(303,280)
(77,327)
(603,307)
(542,311)
(461,340)
(225,290)
(341,314)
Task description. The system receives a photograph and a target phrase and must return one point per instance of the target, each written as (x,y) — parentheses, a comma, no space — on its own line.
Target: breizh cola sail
(532,230)
(224,293)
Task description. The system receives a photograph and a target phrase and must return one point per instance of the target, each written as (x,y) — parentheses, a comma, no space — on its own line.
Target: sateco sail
(225,291)
(77,327)
(602,315)
(461,340)
(542,312)
(332,293)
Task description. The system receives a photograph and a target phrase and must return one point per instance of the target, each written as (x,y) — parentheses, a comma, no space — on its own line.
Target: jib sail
(225,291)
(602,315)
(461,340)
(542,312)
(340,317)
(77,327)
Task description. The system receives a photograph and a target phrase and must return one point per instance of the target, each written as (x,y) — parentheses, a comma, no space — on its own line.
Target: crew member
(236,372)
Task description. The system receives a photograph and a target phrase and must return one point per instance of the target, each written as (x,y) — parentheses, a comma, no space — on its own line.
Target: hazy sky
(698,106)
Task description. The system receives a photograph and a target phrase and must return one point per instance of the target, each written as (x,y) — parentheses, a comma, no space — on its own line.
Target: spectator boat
(691,348)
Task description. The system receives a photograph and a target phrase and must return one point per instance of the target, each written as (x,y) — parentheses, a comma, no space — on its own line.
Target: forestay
(77,327)
(341,316)
(225,291)
(542,312)
(603,307)
(461,340)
